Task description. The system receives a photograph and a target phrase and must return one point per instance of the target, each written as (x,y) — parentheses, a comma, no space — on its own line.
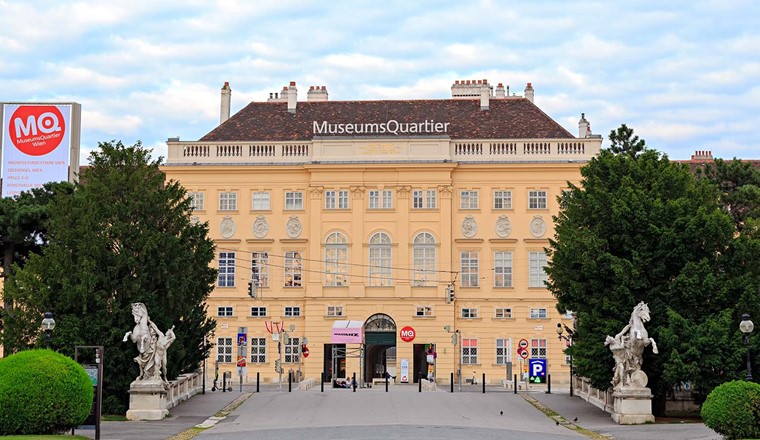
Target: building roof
(510,118)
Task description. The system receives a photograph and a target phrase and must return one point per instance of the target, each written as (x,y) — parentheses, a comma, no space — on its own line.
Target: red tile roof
(506,119)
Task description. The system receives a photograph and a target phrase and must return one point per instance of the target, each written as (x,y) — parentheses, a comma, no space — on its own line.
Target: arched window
(423,260)
(380,260)
(336,260)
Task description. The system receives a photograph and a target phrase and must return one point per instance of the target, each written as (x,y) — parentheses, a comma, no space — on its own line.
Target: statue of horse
(635,341)
(141,334)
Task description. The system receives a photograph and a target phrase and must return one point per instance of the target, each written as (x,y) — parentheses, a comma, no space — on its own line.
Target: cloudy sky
(684,74)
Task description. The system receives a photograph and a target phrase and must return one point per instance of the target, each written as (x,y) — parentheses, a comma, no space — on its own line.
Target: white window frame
(260,268)
(336,199)
(294,201)
(537,199)
(224,350)
(503,351)
(502,199)
(293,270)
(334,311)
(380,199)
(469,313)
(258,350)
(468,199)
(226,269)
(197,200)
(261,312)
(292,311)
(292,351)
(469,351)
(537,269)
(469,268)
(431,199)
(418,201)
(336,260)
(380,270)
(424,260)
(538,348)
(502,313)
(502,269)
(228,201)
(330,197)
(538,313)
(424,311)
(261,201)
(225,312)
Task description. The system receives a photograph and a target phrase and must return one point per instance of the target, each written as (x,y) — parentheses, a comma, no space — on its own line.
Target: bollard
(515,387)
(290,381)
(257,381)
(484,383)
(419,382)
(322,383)
(387,379)
(353,381)
(452,382)
(548,384)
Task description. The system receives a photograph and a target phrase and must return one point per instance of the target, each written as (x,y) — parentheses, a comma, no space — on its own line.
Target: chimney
(226,97)
(316,94)
(500,90)
(485,96)
(529,92)
(702,155)
(584,128)
(292,92)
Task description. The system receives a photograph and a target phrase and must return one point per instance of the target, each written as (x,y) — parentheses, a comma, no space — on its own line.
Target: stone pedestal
(147,400)
(632,406)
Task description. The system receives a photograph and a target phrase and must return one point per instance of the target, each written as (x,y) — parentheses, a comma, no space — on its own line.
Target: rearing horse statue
(151,343)
(628,365)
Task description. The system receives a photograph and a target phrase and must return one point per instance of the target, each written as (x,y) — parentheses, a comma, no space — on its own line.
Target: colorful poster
(404,371)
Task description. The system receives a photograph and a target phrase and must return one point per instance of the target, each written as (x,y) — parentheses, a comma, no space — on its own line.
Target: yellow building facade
(408,224)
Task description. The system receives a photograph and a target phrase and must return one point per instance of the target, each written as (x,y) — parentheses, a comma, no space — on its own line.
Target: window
(430,199)
(260,268)
(224,312)
(197,200)
(536,199)
(538,313)
(258,312)
(417,200)
(336,199)
(468,200)
(336,260)
(469,351)
(292,269)
(293,200)
(424,199)
(469,312)
(380,199)
(228,201)
(334,310)
(469,269)
(502,200)
(226,270)
(537,261)
(224,350)
(292,311)
(424,311)
(502,269)
(502,313)
(380,260)
(538,348)
(503,351)
(261,201)
(423,260)
(292,350)
(258,350)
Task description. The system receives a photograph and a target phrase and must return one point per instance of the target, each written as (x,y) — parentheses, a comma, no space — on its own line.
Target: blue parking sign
(538,371)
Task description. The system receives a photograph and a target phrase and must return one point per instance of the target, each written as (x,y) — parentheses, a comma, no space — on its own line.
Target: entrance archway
(380,343)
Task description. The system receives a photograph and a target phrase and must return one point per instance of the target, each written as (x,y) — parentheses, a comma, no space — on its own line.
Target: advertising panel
(39,144)
(347,332)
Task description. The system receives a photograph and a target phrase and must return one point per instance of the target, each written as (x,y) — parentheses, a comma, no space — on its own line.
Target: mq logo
(407,334)
(36,130)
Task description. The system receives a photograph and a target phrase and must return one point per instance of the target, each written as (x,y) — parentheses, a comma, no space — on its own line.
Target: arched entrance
(380,346)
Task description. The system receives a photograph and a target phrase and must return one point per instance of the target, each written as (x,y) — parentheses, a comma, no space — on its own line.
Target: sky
(685,75)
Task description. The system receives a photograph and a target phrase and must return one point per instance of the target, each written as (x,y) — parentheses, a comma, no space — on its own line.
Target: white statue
(628,348)
(151,345)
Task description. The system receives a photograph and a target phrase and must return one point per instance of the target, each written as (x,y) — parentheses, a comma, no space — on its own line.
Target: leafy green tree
(638,228)
(23,231)
(125,235)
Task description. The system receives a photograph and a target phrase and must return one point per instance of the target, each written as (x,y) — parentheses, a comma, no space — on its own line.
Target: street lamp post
(205,358)
(456,337)
(746,327)
(569,339)
(48,324)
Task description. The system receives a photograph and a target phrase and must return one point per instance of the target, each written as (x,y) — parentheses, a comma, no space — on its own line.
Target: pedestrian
(353,382)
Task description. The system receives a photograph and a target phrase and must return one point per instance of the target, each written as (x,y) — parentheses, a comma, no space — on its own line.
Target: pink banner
(347,332)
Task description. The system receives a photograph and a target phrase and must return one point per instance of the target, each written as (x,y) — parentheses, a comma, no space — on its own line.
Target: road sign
(523,353)
(241,361)
(305,351)
(523,343)
(538,370)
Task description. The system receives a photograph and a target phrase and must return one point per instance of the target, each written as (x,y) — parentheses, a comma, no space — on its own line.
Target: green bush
(733,410)
(42,392)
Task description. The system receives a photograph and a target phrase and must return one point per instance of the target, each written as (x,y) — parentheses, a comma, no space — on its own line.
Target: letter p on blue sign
(538,370)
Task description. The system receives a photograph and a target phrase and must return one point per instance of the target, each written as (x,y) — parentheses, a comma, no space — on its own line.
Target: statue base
(632,406)
(147,400)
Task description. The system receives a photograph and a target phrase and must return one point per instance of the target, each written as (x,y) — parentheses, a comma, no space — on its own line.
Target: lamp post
(746,327)
(48,324)
(205,358)
(456,337)
(569,339)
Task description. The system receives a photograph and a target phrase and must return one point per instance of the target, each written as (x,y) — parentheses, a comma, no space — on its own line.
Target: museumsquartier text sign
(391,126)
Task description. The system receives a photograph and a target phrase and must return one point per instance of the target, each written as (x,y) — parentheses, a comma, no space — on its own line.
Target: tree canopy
(124,235)
(639,227)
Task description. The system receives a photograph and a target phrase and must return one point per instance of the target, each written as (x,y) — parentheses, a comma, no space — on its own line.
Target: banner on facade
(347,332)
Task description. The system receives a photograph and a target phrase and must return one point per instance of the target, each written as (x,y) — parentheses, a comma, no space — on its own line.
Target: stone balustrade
(600,399)
(183,387)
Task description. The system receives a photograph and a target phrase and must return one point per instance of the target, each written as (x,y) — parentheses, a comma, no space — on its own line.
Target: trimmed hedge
(732,410)
(42,392)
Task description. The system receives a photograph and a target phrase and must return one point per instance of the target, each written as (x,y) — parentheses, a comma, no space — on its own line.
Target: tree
(23,231)
(638,228)
(124,236)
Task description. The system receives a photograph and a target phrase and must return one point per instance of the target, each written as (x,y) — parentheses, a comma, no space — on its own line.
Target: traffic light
(449,294)
(277,367)
(251,291)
